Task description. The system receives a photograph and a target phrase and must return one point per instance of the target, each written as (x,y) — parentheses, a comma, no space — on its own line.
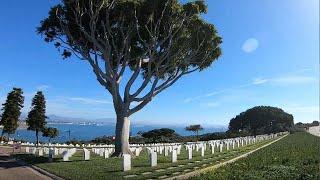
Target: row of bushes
(162,136)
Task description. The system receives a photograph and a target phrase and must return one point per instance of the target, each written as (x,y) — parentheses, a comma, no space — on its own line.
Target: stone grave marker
(153,159)
(126,162)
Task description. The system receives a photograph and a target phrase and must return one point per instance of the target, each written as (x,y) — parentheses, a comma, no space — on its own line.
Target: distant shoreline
(22,125)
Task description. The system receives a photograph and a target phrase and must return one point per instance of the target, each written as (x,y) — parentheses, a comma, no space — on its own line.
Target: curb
(195,173)
(38,170)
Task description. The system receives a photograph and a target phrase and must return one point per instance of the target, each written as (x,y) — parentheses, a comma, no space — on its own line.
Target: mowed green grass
(99,168)
(296,156)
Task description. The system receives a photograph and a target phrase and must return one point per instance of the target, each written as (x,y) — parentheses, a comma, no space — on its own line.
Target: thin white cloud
(302,109)
(42,87)
(298,108)
(294,79)
(281,80)
(258,81)
(88,100)
(29,94)
(302,113)
(187,100)
(285,80)
(211,104)
(304,70)
(250,45)
(213,93)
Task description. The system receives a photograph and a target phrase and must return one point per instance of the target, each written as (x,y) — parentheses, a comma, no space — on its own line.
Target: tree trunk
(37,135)
(122,136)
(2,133)
(197,135)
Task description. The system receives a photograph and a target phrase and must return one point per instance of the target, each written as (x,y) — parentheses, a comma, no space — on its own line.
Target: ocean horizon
(87,132)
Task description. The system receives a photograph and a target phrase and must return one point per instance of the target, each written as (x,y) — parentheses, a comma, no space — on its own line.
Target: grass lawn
(296,156)
(99,168)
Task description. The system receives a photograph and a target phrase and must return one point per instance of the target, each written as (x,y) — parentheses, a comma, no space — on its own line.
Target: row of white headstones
(152,149)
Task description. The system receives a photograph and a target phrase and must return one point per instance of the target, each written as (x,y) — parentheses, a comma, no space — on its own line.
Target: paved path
(11,170)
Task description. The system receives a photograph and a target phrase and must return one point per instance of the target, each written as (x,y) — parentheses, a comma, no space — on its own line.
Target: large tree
(261,120)
(153,43)
(36,119)
(12,111)
(195,128)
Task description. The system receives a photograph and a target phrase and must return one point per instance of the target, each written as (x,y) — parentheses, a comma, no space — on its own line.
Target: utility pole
(69,133)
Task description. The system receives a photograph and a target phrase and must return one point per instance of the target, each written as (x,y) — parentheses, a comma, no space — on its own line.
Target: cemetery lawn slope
(296,156)
(99,168)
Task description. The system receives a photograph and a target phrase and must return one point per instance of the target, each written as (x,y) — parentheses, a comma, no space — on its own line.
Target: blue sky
(270,57)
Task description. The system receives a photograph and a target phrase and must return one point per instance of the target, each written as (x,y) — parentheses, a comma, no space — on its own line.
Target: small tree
(11,111)
(50,133)
(36,119)
(195,128)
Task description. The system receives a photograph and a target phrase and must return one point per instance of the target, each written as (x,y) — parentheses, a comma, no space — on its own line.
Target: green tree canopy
(262,119)
(154,42)
(50,133)
(160,135)
(36,119)
(12,111)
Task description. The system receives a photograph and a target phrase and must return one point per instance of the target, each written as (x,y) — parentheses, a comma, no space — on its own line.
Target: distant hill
(262,120)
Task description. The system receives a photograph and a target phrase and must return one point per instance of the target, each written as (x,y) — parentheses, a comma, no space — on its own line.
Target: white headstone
(202,151)
(166,153)
(174,155)
(126,162)
(101,152)
(34,150)
(153,159)
(106,153)
(65,156)
(40,152)
(56,151)
(179,150)
(86,154)
(137,152)
(212,148)
(190,153)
